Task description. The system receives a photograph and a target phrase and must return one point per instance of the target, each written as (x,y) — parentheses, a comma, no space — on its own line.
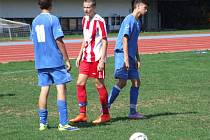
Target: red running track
(16,53)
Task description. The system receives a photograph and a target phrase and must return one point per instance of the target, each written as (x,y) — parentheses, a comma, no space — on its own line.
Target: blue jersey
(130,27)
(45,30)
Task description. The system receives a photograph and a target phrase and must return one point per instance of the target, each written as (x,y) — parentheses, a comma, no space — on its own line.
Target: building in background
(162,14)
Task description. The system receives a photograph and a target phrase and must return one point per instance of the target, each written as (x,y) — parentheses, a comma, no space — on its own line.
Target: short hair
(135,2)
(91,1)
(45,4)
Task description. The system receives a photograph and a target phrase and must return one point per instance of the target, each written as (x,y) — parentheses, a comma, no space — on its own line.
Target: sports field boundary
(23,51)
(73,40)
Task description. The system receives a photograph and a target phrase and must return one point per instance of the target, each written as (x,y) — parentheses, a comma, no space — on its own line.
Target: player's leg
(44,81)
(62,109)
(134,75)
(62,104)
(43,112)
(115,91)
(122,75)
(82,99)
(60,77)
(134,93)
(81,92)
(103,95)
(84,68)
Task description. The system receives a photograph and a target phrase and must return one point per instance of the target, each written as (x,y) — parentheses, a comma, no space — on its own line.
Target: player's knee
(80,83)
(121,84)
(136,83)
(64,89)
(81,80)
(99,85)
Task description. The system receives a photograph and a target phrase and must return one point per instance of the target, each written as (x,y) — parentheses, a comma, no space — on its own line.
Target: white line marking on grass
(16,72)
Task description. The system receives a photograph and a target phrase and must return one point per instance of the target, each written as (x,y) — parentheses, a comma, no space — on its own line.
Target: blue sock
(134,92)
(113,94)
(43,115)
(63,113)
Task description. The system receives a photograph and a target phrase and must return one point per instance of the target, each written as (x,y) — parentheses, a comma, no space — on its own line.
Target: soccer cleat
(79,118)
(43,127)
(67,127)
(102,119)
(136,116)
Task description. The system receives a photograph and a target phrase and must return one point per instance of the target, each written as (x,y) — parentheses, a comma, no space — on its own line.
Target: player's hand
(78,62)
(138,64)
(68,65)
(126,65)
(101,66)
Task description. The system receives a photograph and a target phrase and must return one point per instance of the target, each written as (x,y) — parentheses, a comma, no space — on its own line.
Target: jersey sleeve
(128,27)
(57,30)
(102,26)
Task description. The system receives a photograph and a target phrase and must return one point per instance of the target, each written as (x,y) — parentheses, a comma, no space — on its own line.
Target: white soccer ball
(138,136)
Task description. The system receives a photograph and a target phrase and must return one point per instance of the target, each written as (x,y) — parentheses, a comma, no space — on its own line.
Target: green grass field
(175,97)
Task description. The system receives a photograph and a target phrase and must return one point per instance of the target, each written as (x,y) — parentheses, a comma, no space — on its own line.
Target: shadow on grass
(117,119)
(150,116)
(82,125)
(6,95)
(167,114)
(88,124)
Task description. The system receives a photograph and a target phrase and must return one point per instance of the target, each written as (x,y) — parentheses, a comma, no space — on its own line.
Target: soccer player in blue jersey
(127,60)
(50,59)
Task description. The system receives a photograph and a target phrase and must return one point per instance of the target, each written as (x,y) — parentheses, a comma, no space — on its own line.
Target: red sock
(82,98)
(103,99)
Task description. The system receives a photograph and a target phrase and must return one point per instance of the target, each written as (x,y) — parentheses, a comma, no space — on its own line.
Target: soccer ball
(138,136)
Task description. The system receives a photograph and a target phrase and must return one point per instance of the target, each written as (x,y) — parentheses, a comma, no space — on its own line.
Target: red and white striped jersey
(94,31)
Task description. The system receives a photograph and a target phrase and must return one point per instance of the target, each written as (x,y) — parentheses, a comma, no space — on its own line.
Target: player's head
(140,6)
(45,4)
(89,7)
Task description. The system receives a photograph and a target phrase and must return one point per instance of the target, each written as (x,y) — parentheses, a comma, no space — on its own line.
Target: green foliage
(174,96)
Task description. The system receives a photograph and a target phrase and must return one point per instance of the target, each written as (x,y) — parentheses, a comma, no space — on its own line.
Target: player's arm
(103,55)
(79,57)
(127,32)
(103,32)
(138,58)
(62,48)
(125,49)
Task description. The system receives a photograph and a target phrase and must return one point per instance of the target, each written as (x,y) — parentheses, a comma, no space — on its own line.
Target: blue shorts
(57,76)
(132,73)
(120,71)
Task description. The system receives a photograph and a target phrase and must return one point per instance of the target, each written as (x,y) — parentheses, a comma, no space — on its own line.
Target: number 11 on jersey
(40,32)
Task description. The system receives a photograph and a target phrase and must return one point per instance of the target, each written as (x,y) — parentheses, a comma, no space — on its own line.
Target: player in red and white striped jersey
(94,32)
(91,61)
